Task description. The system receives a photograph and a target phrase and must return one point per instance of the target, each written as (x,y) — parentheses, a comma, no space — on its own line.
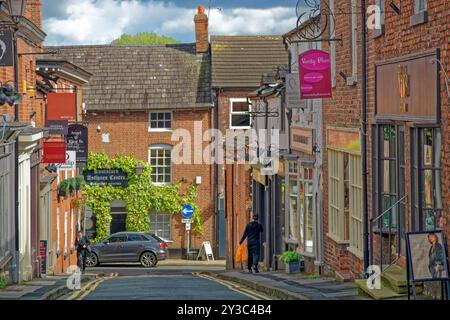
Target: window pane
(428,188)
(153,116)
(240,107)
(161,225)
(240,120)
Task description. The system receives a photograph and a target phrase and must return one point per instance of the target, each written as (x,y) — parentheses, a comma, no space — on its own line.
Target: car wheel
(91,260)
(148,259)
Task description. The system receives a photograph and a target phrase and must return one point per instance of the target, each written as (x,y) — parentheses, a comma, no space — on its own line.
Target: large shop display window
(300,197)
(426,179)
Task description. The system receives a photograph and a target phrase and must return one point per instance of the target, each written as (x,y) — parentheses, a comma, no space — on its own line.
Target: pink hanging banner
(315,74)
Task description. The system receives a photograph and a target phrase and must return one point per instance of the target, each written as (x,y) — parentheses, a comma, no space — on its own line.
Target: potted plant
(72,186)
(63,189)
(79,182)
(292,260)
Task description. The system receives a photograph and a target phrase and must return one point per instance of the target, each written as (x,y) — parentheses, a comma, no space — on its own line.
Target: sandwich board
(206,250)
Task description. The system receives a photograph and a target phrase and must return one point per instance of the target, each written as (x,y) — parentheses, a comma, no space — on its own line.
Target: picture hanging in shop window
(427,256)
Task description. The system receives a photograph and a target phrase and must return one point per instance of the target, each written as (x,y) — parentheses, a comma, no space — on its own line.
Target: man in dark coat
(252,233)
(81,243)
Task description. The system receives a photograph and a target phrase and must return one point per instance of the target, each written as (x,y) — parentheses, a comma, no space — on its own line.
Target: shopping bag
(241,254)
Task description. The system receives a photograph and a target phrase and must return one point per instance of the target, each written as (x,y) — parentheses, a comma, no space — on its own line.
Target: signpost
(54,152)
(187,212)
(315,74)
(77,140)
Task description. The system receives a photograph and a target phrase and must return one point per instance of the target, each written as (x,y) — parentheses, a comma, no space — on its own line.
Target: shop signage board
(71,161)
(77,140)
(61,106)
(54,152)
(348,141)
(302,139)
(315,74)
(57,126)
(106,177)
(293,92)
(6,48)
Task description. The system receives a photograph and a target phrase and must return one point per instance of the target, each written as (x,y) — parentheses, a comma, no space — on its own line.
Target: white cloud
(101,21)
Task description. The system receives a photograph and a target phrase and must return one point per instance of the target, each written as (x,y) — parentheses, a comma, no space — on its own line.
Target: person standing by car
(252,233)
(82,245)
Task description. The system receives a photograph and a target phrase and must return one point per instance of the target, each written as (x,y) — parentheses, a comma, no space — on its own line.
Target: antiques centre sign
(112,177)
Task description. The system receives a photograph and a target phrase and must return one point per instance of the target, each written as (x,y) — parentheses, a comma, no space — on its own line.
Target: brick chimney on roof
(201,31)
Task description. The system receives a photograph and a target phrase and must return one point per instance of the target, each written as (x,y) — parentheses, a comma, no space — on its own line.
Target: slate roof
(142,77)
(239,61)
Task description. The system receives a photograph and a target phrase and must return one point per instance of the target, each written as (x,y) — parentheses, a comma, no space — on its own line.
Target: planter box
(295,267)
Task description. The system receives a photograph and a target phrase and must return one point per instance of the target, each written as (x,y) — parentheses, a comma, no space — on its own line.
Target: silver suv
(145,248)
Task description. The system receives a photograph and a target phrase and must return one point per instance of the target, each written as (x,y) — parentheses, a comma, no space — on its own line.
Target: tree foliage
(144,38)
(140,197)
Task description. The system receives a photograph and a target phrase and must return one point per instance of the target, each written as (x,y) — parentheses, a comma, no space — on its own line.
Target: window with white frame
(160,158)
(293,201)
(355,204)
(161,225)
(420,6)
(354,47)
(160,121)
(239,114)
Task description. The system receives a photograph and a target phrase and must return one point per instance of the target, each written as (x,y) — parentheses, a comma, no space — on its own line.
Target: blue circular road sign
(187,211)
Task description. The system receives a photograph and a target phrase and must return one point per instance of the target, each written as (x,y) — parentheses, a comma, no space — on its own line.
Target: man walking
(82,245)
(252,233)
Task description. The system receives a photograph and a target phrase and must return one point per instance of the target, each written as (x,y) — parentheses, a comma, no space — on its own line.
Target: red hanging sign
(315,74)
(61,106)
(54,152)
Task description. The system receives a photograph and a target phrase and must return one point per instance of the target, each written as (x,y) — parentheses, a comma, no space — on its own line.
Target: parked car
(145,248)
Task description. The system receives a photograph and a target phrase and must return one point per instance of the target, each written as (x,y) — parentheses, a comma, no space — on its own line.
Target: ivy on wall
(140,197)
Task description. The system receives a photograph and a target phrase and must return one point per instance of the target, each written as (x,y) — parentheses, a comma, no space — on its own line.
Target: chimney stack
(201,31)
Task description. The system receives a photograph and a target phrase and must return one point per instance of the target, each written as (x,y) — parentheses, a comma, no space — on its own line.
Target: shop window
(355,205)
(160,157)
(306,209)
(160,121)
(58,232)
(161,225)
(426,179)
(239,114)
(338,208)
(293,201)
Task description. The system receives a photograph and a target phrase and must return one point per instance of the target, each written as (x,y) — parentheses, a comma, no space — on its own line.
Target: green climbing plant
(140,197)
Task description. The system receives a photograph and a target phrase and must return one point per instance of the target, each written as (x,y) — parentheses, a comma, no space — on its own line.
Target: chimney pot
(201,31)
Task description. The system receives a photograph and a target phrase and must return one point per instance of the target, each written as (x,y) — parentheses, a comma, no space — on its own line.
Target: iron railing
(378,219)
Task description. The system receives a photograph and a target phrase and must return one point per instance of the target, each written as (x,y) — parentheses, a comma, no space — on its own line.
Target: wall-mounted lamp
(139,169)
(316,149)
(99,128)
(394,8)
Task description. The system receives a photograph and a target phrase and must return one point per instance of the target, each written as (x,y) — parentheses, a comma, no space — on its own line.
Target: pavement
(294,287)
(47,288)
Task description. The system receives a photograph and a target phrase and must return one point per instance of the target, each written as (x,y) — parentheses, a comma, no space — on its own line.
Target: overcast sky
(101,21)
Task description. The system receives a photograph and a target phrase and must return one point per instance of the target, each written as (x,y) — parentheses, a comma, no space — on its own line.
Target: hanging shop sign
(293,92)
(61,106)
(77,140)
(302,139)
(315,74)
(54,152)
(106,177)
(71,161)
(6,48)
(57,126)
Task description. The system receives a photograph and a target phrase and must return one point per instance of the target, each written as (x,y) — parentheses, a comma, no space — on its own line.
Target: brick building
(20,224)
(138,101)
(238,63)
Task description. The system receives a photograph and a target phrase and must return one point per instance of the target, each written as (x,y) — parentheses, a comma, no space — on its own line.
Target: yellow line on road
(234,287)
(89,287)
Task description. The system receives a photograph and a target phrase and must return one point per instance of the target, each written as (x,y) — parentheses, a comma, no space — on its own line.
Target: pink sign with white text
(315,74)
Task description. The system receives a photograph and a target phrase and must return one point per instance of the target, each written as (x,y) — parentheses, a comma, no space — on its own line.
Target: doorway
(119,216)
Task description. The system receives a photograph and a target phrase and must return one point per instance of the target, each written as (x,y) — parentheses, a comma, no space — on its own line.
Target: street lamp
(139,169)
(17,9)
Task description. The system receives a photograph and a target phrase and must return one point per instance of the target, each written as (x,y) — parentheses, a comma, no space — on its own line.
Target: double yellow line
(234,287)
(89,287)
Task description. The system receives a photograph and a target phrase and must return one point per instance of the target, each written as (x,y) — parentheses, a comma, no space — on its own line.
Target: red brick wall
(343,110)
(400,39)
(241,179)
(129,136)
